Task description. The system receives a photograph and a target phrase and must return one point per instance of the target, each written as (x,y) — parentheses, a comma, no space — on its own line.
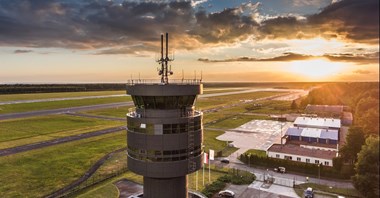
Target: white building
(301,154)
(311,140)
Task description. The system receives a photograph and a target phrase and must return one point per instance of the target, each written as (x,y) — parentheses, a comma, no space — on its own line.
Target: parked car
(226,193)
(308,193)
(280,169)
(225,160)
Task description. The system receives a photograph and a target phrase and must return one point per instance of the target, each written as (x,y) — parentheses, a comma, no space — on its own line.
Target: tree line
(49,88)
(361,149)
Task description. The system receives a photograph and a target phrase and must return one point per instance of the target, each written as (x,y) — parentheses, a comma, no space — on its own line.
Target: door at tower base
(165,187)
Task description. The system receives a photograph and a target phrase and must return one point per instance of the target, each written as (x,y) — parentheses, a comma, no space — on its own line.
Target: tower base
(165,187)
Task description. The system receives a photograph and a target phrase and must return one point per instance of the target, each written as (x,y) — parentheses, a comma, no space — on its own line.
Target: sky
(91,41)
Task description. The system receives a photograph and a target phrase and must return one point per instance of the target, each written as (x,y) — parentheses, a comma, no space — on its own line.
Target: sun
(316,69)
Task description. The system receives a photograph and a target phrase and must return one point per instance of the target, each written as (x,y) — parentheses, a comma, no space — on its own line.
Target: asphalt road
(287,176)
(37,145)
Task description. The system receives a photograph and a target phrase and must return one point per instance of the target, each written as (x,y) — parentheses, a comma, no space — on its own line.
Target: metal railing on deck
(158,82)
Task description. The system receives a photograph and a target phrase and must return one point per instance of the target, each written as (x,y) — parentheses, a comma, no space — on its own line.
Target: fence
(93,180)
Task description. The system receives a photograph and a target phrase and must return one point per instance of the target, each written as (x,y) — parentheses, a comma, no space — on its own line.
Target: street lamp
(319,173)
(249,160)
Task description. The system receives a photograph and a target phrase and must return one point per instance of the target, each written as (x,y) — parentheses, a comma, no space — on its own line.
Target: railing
(134,114)
(158,82)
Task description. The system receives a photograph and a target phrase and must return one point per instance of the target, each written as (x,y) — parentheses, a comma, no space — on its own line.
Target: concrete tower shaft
(165,136)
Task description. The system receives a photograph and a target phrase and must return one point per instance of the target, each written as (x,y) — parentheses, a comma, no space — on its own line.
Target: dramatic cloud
(356,21)
(356,58)
(133,27)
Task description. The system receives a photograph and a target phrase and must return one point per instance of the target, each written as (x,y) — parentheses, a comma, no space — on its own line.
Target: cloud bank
(133,27)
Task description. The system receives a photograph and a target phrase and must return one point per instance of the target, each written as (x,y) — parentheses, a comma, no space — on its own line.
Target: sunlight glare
(316,69)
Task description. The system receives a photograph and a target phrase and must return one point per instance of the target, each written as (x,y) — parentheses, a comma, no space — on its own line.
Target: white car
(226,193)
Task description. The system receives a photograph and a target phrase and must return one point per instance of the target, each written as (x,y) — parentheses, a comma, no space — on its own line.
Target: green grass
(211,142)
(23,107)
(37,96)
(214,175)
(25,131)
(259,153)
(217,101)
(235,121)
(326,190)
(119,112)
(39,172)
(271,107)
(221,90)
(109,190)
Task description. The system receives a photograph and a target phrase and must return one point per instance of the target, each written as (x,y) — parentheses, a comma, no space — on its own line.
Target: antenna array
(164,72)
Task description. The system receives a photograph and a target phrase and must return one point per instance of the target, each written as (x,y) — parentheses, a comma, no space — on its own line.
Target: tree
(366,179)
(354,140)
(369,120)
(294,105)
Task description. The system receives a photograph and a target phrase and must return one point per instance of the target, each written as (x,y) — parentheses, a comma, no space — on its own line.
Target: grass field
(235,121)
(259,153)
(37,96)
(218,101)
(23,107)
(272,106)
(119,112)
(25,131)
(39,172)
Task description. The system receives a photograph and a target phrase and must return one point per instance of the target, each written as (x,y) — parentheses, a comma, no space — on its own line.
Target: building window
(326,163)
(307,160)
(298,159)
(317,161)
(277,156)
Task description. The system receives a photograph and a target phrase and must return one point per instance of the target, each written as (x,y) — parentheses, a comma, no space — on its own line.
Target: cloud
(286,57)
(132,27)
(22,51)
(352,20)
(361,71)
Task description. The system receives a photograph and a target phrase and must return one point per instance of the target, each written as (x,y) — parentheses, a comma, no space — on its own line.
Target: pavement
(256,134)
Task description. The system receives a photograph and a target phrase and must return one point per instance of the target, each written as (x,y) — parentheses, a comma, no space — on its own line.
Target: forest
(362,141)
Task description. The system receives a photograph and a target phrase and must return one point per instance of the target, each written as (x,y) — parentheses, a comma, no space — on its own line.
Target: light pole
(319,173)
(249,160)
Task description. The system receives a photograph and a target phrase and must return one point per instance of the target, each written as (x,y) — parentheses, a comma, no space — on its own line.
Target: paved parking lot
(256,134)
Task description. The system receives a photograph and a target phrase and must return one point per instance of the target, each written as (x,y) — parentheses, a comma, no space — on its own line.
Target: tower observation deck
(165,132)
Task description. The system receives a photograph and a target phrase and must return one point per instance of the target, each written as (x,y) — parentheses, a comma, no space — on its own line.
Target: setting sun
(316,69)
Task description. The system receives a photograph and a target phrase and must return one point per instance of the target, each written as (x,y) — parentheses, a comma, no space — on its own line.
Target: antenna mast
(164,72)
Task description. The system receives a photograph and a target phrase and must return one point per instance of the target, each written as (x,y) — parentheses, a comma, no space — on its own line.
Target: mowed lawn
(119,112)
(39,172)
(25,131)
(35,106)
(219,101)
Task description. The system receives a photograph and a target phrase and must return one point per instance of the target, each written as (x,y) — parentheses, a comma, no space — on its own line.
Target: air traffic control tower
(165,132)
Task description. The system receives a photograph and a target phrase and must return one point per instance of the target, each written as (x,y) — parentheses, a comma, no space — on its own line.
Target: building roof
(325,108)
(293,131)
(297,150)
(318,122)
(313,132)
(332,135)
